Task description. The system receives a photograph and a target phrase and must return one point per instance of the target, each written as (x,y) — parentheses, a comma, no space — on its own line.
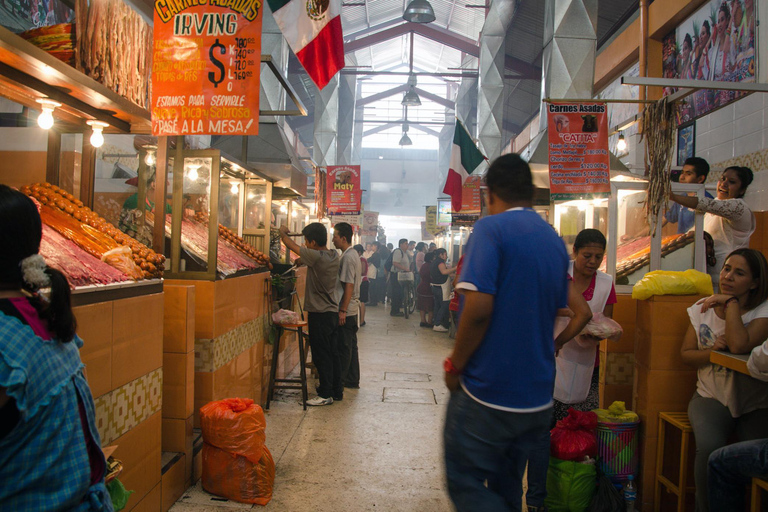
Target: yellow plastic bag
(667,282)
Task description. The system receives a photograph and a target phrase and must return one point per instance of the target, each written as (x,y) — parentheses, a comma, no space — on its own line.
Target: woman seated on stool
(576,381)
(727,402)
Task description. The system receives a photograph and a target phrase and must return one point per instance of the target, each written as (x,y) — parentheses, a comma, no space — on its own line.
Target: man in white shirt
(348,288)
(732,467)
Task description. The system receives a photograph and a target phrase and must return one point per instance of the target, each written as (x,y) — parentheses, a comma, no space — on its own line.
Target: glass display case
(635,249)
(573,216)
(295,215)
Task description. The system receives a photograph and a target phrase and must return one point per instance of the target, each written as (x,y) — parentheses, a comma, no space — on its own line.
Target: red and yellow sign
(471,203)
(205,67)
(343,192)
(578,151)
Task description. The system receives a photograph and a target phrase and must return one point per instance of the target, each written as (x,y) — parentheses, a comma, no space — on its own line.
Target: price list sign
(578,151)
(205,67)
(343,190)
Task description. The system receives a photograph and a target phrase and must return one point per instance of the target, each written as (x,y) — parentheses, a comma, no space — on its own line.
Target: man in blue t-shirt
(502,370)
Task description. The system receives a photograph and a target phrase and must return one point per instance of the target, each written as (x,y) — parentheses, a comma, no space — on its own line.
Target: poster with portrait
(370,224)
(716,43)
(343,194)
(578,151)
(443,212)
(686,142)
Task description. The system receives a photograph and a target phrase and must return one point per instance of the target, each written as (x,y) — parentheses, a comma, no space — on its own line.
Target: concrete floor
(379,449)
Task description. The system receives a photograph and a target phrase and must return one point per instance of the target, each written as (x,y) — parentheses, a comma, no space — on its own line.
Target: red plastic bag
(236,478)
(574,438)
(235,425)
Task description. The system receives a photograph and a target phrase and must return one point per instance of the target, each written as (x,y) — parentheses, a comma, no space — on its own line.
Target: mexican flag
(313,31)
(465,157)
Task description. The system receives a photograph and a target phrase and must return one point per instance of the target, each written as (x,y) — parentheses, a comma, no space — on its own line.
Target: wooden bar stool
(301,382)
(758,486)
(678,420)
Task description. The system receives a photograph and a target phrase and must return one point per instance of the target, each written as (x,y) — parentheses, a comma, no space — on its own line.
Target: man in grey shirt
(349,291)
(321,302)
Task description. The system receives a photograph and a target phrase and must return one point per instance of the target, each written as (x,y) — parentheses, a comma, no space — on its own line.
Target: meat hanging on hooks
(658,131)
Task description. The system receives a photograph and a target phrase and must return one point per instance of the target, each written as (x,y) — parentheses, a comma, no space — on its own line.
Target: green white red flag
(312,29)
(465,157)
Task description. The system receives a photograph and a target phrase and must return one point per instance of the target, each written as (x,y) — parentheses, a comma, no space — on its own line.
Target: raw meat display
(90,231)
(81,268)
(194,239)
(236,241)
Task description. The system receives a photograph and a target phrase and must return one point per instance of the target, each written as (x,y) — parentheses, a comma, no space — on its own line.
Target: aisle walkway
(380,449)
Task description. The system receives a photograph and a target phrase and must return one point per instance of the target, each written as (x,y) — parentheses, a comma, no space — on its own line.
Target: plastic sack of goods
(668,282)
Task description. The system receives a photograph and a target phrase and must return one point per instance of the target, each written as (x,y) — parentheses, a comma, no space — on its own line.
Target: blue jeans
(731,468)
(440,316)
(488,445)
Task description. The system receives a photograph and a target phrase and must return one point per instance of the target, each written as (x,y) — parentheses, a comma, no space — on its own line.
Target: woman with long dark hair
(50,455)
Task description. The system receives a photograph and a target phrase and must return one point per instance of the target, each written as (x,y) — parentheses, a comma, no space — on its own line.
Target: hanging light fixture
(234,187)
(97,136)
(192,172)
(621,145)
(150,159)
(411,98)
(45,119)
(405,140)
(419,11)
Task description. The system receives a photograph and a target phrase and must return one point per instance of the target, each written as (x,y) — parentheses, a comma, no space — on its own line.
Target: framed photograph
(686,142)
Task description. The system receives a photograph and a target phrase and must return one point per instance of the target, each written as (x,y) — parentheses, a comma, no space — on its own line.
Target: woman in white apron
(576,381)
(727,217)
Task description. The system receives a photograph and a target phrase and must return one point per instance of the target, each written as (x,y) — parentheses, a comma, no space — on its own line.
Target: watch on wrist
(450,368)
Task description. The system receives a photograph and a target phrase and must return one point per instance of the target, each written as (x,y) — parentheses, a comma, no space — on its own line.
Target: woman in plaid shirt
(50,455)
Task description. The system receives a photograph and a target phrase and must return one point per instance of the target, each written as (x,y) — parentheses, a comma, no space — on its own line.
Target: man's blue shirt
(519,259)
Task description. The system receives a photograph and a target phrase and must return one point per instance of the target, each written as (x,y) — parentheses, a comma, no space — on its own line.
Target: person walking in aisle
(502,369)
(401,262)
(50,450)
(321,302)
(375,276)
(348,288)
(364,283)
(441,289)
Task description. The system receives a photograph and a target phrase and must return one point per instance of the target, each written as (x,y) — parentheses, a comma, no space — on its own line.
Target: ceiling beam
(525,69)
(437,99)
(393,124)
(383,94)
(439,35)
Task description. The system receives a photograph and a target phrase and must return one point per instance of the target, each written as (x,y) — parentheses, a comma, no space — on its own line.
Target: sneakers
(425,324)
(439,328)
(397,313)
(318,401)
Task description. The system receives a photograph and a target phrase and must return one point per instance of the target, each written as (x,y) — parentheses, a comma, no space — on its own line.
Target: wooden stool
(758,485)
(679,420)
(301,382)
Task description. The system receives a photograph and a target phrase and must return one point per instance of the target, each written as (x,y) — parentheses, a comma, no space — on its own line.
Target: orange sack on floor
(235,425)
(237,478)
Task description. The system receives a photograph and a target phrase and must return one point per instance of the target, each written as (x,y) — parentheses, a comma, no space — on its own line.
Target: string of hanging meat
(658,131)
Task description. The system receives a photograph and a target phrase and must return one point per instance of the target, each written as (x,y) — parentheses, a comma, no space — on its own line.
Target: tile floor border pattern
(123,408)
(212,354)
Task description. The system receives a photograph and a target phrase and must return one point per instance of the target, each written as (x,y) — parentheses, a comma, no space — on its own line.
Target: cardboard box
(151,502)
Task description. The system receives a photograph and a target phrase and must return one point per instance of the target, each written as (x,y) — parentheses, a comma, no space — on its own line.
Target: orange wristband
(449,368)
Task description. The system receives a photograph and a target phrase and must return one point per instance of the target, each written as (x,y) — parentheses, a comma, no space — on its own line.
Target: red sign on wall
(206,64)
(471,202)
(578,151)
(343,194)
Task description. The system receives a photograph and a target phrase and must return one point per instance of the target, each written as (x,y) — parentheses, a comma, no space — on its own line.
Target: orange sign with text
(205,67)
(578,151)
(343,192)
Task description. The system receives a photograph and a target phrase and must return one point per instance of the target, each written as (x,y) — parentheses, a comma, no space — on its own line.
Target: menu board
(578,151)
(471,202)
(206,64)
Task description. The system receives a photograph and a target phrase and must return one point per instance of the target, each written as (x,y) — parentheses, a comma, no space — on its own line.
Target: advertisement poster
(716,43)
(578,151)
(356,221)
(443,213)
(431,220)
(426,236)
(471,203)
(370,224)
(206,65)
(343,194)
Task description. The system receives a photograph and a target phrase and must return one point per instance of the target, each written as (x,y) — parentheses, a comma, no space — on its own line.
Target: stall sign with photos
(343,190)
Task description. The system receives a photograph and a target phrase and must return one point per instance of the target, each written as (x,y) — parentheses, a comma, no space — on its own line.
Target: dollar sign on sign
(217,63)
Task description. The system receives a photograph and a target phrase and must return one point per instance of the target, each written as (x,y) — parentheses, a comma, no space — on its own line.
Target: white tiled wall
(734,130)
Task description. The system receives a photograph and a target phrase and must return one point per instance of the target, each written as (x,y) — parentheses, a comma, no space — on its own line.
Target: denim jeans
(440,316)
(731,469)
(397,293)
(538,465)
(485,445)
(713,426)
